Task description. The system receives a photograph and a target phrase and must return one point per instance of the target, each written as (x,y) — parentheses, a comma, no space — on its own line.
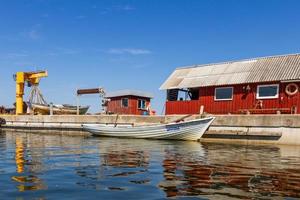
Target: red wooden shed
(130,102)
(266,85)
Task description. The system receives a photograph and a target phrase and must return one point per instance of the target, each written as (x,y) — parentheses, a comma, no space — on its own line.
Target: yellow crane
(31,78)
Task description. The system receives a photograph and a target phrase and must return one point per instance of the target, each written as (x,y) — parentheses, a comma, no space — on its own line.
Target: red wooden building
(265,85)
(130,102)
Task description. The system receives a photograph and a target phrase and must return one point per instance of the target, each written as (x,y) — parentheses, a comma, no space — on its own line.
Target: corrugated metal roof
(265,69)
(129,93)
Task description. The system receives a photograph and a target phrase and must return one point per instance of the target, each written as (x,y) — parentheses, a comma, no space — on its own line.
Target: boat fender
(291,89)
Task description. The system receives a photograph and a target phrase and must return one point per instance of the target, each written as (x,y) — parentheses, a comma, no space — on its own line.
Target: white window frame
(145,104)
(215,96)
(122,103)
(269,97)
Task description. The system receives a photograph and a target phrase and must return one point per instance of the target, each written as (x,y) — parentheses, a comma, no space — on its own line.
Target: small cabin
(267,85)
(128,102)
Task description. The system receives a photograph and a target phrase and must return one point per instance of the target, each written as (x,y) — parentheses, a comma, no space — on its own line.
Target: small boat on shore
(187,130)
(58,109)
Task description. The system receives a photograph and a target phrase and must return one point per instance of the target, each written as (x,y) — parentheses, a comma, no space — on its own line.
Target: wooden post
(201,110)
(51,108)
(77,100)
(294,110)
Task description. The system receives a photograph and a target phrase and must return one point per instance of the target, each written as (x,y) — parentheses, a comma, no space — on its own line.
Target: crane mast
(31,78)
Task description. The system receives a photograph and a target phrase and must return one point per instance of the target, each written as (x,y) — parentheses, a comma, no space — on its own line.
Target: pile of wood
(4,110)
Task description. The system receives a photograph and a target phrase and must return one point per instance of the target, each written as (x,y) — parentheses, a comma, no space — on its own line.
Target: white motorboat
(187,130)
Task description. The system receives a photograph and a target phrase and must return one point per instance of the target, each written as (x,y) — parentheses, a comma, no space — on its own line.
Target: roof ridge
(129,92)
(234,61)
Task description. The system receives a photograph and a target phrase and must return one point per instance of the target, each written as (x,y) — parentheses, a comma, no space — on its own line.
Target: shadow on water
(48,166)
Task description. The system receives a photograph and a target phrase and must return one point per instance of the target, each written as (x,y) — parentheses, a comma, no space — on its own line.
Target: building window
(222,94)
(125,102)
(141,104)
(267,91)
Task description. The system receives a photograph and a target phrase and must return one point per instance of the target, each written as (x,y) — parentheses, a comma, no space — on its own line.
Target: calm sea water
(34,166)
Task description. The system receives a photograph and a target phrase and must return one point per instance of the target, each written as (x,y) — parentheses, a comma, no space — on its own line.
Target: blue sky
(134,44)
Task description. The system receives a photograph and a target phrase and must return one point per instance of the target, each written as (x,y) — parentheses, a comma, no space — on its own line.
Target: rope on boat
(116,121)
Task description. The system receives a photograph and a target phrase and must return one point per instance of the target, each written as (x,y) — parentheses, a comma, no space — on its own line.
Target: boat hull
(45,110)
(191,130)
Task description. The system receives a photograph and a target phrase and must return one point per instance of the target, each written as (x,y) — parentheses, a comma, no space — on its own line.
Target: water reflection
(52,166)
(126,158)
(29,182)
(115,163)
(19,155)
(232,171)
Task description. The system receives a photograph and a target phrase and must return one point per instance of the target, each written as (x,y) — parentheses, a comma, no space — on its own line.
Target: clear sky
(134,44)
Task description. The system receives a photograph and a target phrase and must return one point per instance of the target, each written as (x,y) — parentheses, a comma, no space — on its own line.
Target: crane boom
(99,90)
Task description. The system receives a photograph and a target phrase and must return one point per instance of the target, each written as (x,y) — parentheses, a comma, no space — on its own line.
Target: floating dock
(274,129)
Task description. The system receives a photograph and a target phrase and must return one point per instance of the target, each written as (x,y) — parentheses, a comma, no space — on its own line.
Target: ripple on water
(47,166)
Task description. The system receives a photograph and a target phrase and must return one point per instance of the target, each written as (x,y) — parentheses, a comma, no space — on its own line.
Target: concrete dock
(275,129)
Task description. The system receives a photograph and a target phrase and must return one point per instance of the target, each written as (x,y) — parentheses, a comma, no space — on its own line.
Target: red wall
(241,100)
(115,105)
